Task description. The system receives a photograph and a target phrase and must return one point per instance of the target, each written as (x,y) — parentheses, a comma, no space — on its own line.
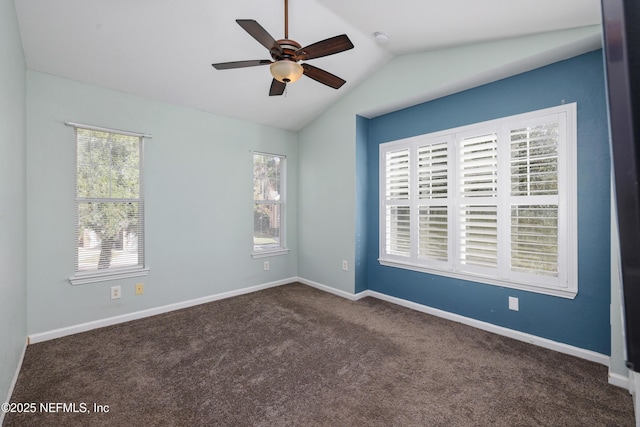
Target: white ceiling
(163,49)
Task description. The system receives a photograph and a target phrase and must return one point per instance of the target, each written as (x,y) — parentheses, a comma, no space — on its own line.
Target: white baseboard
(619,381)
(329,289)
(84,327)
(14,381)
(500,330)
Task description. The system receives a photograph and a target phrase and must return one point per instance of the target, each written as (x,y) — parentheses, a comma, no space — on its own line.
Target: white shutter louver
(479,166)
(479,235)
(534,160)
(534,199)
(398,212)
(397,173)
(433,191)
(433,171)
(399,231)
(534,239)
(478,214)
(433,243)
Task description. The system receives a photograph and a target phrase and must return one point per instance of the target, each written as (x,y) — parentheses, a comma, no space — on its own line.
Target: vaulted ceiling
(163,49)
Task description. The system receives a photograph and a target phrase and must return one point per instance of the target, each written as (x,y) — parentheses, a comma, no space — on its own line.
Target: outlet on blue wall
(582,322)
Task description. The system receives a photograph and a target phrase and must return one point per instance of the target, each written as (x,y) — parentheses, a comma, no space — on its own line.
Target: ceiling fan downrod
(286,19)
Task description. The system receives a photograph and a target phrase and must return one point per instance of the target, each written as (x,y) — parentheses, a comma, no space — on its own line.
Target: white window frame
(114,273)
(281,249)
(566,283)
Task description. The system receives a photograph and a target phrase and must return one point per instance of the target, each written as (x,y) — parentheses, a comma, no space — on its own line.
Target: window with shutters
(398,211)
(493,202)
(109,206)
(268,205)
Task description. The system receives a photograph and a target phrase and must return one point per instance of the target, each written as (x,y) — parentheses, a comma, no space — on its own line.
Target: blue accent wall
(582,322)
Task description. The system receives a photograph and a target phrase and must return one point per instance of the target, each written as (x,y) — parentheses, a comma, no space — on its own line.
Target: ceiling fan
(287,54)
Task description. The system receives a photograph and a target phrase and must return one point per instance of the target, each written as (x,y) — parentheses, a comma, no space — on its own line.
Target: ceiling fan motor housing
(287,50)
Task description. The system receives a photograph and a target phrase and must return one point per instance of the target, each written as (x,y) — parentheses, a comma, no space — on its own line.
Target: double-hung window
(109,206)
(492,202)
(269,183)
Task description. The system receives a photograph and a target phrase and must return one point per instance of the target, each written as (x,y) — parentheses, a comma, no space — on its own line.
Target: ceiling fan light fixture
(286,71)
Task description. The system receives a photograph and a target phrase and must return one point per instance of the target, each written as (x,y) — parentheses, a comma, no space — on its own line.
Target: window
(493,202)
(268,204)
(109,206)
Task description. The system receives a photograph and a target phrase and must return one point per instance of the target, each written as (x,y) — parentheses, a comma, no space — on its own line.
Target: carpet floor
(297,356)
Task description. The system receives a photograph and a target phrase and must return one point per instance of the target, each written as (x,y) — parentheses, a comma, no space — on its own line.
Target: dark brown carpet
(296,356)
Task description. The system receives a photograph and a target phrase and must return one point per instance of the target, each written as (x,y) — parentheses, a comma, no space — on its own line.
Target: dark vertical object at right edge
(621,23)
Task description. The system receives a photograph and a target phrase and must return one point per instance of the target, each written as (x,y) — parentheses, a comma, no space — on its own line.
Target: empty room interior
(443,164)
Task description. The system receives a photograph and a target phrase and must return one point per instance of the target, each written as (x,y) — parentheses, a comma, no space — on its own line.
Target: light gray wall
(198,208)
(327,146)
(13,281)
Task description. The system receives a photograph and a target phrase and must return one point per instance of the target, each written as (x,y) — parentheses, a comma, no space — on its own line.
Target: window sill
(83,279)
(269,253)
(540,289)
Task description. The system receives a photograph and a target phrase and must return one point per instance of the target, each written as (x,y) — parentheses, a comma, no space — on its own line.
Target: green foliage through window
(108,200)
(268,172)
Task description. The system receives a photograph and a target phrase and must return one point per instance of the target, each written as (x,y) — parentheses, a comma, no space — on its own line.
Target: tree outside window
(268,196)
(109,205)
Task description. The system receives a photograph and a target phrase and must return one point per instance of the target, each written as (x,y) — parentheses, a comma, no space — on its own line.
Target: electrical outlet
(345,265)
(266,265)
(139,288)
(116,292)
(513,304)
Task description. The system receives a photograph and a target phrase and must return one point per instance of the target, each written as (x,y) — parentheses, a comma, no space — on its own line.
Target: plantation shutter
(398,211)
(478,208)
(433,202)
(534,229)
(493,202)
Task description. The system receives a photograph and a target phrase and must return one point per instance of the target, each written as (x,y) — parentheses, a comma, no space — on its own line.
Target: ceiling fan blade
(241,64)
(277,88)
(325,47)
(323,76)
(257,32)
